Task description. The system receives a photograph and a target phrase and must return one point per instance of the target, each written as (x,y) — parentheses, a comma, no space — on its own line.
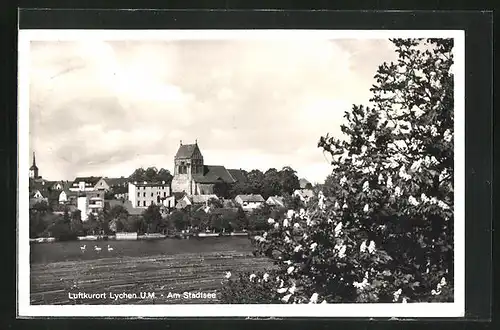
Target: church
(193,177)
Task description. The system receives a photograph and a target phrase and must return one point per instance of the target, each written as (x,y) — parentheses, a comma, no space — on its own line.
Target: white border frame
(435,310)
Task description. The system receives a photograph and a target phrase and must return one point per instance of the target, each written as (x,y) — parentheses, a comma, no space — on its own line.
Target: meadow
(164,268)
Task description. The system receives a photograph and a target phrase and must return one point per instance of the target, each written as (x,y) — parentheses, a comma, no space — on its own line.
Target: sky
(106,108)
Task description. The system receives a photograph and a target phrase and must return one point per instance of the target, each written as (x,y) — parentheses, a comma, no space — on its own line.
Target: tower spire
(34,161)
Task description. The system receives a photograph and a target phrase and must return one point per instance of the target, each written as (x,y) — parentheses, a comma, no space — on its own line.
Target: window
(144,203)
(152,194)
(165,194)
(144,194)
(138,203)
(138,194)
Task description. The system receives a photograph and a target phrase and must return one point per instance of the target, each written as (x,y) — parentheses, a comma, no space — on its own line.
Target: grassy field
(59,270)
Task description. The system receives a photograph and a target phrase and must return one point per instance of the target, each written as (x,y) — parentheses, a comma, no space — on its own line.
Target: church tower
(34,169)
(188,163)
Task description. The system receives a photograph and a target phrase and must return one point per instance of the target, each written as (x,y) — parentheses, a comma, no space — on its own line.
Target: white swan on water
(110,248)
(97,248)
(82,248)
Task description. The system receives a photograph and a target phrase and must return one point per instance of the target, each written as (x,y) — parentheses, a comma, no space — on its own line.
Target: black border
(479,77)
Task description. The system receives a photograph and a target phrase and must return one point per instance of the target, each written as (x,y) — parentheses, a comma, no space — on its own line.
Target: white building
(249,202)
(144,194)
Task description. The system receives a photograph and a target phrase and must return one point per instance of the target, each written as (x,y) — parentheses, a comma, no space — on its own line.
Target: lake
(161,270)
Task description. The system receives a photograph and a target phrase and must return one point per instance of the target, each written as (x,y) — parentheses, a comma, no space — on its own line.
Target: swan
(110,248)
(97,248)
(82,248)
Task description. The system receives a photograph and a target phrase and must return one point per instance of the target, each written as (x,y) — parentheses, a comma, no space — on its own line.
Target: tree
(164,175)
(289,181)
(255,181)
(384,232)
(152,218)
(222,189)
(151,174)
(271,185)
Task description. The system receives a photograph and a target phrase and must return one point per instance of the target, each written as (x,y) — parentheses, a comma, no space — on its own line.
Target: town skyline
(106,108)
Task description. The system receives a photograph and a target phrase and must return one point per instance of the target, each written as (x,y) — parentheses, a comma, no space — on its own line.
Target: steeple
(34,169)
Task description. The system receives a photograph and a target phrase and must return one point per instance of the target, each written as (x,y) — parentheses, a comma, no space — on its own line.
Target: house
(193,177)
(276,201)
(67,197)
(118,186)
(304,194)
(86,184)
(249,202)
(304,184)
(38,196)
(143,194)
(59,209)
(90,202)
(60,185)
(183,203)
(202,199)
(126,204)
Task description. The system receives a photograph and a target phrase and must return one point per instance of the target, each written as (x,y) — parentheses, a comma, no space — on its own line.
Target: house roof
(150,184)
(251,198)
(237,175)
(305,192)
(116,181)
(186,151)
(225,210)
(303,183)
(201,199)
(178,195)
(126,204)
(276,200)
(92,180)
(214,174)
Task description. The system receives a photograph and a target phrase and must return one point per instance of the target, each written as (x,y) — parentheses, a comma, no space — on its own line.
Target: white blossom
(313,299)
(252,276)
(336,206)
(287,239)
(389,182)
(443,281)
(270,221)
(371,247)
(290,214)
(228,275)
(343,180)
(397,191)
(290,269)
(364,149)
(448,135)
(297,248)
(302,213)
(424,198)
(362,248)
(397,294)
(292,289)
(402,173)
(313,246)
(338,229)
(288,262)
(305,236)
(416,165)
(443,205)
(324,302)
(366,208)
(434,131)
(282,290)
(265,234)
(413,201)
(344,206)
(380,178)
(285,223)
(366,186)
(404,300)
(265,277)
(276,225)
(286,298)
(372,137)
(296,225)
(342,251)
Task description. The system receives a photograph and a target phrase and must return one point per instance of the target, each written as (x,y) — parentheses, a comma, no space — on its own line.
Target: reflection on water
(71,251)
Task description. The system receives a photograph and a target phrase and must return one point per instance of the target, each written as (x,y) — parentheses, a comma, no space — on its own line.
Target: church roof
(214,174)
(237,175)
(186,151)
(92,180)
(33,167)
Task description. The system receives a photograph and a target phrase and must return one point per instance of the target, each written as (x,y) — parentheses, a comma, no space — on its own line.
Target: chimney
(181,142)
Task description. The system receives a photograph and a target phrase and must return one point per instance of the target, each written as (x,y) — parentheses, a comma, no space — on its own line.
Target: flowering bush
(382,229)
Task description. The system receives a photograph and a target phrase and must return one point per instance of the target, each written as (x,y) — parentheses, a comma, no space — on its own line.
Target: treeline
(151,174)
(67,226)
(269,183)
